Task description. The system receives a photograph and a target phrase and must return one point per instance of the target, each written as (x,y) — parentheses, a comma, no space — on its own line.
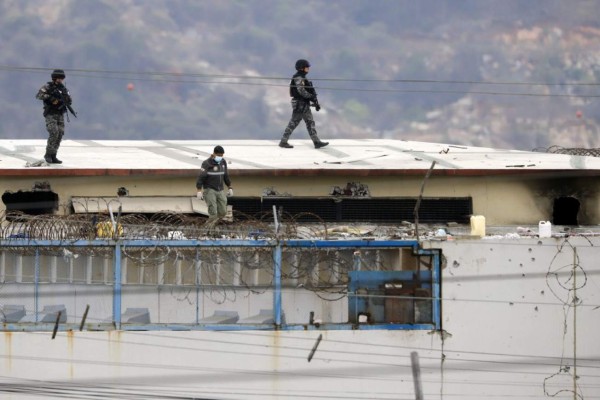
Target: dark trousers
(55,124)
(301,111)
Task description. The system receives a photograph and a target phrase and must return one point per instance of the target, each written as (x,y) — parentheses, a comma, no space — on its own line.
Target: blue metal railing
(277,247)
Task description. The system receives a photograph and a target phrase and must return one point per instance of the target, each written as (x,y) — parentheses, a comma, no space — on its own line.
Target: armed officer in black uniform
(303,94)
(57,100)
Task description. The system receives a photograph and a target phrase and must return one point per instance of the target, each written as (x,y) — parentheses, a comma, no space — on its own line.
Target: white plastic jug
(545,229)
(478,225)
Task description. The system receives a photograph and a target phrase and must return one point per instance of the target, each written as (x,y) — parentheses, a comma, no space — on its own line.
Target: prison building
(333,269)
(350,181)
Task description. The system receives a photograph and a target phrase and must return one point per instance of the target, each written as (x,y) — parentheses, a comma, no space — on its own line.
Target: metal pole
(416,370)
(418,204)
(87,308)
(117,287)
(275,219)
(36,284)
(198,265)
(575,323)
(56,324)
(277,276)
(436,303)
(277,281)
(312,352)
(357,260)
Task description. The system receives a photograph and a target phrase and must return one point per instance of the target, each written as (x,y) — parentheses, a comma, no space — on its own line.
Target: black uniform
(56,98)
(302,93)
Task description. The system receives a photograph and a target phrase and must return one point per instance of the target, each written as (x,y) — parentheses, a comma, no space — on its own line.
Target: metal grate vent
(383,209)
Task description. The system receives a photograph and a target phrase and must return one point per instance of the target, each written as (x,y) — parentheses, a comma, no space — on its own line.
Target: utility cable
(353,89)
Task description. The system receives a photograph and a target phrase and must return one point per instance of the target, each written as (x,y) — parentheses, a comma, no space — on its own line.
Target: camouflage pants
(301,111)
(55,124)
(217,204)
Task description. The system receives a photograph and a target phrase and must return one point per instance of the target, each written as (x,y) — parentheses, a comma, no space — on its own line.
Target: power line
(187,348)
(342,374)
(230,76)
(172,77)
(362,362)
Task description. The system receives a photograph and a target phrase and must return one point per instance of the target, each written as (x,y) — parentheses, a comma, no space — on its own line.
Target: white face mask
(218,159)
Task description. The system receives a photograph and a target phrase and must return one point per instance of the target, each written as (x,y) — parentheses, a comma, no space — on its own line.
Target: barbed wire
(220,271)
(565,291)
(575,151)
(178,226)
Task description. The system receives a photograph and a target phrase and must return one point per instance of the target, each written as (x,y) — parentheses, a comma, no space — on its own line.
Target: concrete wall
(508,332)
(503,200)
(507,312)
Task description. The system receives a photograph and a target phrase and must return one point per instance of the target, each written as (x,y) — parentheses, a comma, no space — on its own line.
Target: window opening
(565,211)
(40,200)
(402,296)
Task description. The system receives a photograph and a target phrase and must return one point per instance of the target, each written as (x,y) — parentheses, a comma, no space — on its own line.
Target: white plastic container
(545,229)
(478,225)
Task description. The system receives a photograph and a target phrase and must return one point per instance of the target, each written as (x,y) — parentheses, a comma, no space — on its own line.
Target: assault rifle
(315,102)
(63,102)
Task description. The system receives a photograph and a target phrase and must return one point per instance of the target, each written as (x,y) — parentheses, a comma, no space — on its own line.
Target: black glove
(317,106)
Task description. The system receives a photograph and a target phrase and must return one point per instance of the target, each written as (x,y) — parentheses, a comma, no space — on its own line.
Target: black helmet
(301,64)
(58,74)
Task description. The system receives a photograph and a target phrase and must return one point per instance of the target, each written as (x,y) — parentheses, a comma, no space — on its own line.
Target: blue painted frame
(278,248)
(372,281)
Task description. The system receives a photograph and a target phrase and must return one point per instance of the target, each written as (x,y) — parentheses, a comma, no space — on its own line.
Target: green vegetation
(178,54)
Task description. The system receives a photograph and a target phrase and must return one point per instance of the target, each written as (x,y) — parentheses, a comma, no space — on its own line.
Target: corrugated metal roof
(254,157)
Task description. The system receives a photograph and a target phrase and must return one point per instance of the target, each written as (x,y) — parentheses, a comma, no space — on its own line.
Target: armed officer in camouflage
(303,94)
(57,100)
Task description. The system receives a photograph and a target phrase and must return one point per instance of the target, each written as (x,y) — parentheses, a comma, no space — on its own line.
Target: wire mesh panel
(51,279)
(155,272)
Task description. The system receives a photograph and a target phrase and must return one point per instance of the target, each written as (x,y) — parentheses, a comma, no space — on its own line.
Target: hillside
(433,70)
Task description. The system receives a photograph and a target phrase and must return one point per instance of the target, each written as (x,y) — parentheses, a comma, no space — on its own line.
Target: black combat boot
(55,160)
(48,158)
(285,145)
(320,144)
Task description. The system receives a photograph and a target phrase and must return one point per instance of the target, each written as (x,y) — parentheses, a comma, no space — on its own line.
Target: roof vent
(357,209)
